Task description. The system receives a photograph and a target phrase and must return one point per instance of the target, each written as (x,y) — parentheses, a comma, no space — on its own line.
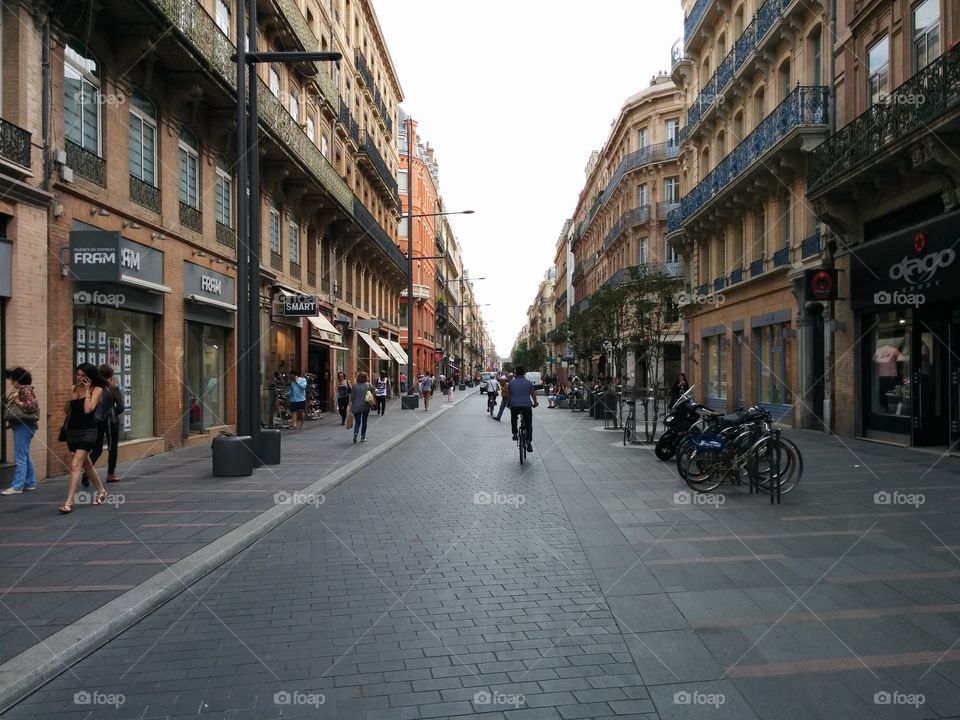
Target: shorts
(298,406)
(427,393)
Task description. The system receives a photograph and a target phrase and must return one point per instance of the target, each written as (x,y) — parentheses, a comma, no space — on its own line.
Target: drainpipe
(830,322)
(45,112)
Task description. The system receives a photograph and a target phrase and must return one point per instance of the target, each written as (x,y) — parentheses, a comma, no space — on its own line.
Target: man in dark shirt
(523,398)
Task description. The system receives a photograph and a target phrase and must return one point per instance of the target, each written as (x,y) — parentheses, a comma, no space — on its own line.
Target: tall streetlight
(410,257)
(248,215)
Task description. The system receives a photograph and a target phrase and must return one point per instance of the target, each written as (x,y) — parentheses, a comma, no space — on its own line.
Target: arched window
(759,106)
(738,128)
(143,138)
(189,169)
(81,97)
(784,79)
(721,144)
(738,21)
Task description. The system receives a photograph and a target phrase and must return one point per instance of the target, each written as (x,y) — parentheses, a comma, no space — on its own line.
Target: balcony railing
(14,144)
(144,194)
(374,91)
(379,235)
(756,267)
(912,107)
(665,208)
(751,38)
(631,218)
(703,290)
(691,21)
(276,261)
(367,147)
(719,283)
(294,270)
(190,217)
(311,278)
(781,257)
(804,106)
(561,300)
(226,235)
(810,246)
(736,276)
(420,292)
(86,164)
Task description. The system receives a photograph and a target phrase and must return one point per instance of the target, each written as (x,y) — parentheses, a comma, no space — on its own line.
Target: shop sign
(372,324)
(908,268)
(820,285)
(104,256)
(300,306)
(198,280)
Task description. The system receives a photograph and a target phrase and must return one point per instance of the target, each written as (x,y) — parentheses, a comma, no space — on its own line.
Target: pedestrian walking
(343,396)
(426,390)
(504,395)
(80,430)
(360,405)
(449,388)
(21,412)
(110,427)
(403,382)
(382,392)
(298,399)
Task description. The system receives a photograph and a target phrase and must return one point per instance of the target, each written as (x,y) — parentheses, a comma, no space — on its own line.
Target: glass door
(930,379)
(205,357)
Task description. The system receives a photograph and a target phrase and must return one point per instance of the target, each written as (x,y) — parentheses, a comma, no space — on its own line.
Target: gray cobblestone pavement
(444,580)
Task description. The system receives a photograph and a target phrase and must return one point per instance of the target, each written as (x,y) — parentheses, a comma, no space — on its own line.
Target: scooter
(684,413)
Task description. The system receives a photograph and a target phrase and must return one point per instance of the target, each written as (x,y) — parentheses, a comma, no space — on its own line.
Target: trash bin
(409,402)
(461,387)
(270,446)
(593,404)
(231,455)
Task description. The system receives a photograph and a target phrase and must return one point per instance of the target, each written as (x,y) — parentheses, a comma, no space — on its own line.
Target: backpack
(104,410)
(427,384)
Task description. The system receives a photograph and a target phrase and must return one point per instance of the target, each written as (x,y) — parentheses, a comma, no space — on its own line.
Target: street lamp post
(248,216)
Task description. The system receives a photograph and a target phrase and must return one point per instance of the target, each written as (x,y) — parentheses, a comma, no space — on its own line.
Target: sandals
(65,509)
(100,499)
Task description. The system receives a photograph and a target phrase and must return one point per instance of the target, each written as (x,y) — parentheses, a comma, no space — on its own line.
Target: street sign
(300,306)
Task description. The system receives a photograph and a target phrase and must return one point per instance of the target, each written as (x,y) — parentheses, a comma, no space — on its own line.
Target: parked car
(536,378)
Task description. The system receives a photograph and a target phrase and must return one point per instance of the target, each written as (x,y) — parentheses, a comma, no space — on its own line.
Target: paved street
(444,580)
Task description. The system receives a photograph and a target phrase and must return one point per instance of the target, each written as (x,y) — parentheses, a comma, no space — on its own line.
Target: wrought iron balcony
(144,194)
(915,106)
(292,14)
(665,208)
(377,162)
(311,278)
(190,217)
(810,246)
(577,272)
(781,257)
(276,260)
(561,300)
(86,164)
(15,144)
(719,283)
(441,278)
(804,107)
(379,235)
(756,33)
(736,276)
(691,21)
(703,290)
(294,270)
(226,235)
(756,267)
(367,76)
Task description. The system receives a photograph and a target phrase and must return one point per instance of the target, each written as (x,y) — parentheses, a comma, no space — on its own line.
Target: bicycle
(630,424)
(491,403)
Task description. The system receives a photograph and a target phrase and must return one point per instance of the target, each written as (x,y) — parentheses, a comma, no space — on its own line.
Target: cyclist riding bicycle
(523,398)
(493,386)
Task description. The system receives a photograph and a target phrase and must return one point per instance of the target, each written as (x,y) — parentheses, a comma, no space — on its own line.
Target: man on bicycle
(523,398)
(493,385)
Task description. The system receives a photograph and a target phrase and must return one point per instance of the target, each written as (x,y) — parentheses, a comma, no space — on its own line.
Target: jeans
(381,404)
(503,406)
(22,436)
(112,435)
(342,407)
(360,417)
(527,420)
(403,386)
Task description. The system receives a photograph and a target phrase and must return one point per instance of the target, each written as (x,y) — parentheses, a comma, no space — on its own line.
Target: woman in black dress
(82,431)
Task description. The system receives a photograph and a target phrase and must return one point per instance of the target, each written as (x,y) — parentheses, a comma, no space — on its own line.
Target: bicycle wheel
(697,474)
(521,441)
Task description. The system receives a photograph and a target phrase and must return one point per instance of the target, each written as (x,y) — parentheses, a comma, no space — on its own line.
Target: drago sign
(820,285)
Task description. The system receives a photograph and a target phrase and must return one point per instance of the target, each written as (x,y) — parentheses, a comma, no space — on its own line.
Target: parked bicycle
(630,424)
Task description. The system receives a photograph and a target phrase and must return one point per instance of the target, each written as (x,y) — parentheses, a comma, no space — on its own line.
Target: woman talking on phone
(81,430)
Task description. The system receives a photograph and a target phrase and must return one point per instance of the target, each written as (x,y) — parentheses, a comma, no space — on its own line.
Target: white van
(536,378)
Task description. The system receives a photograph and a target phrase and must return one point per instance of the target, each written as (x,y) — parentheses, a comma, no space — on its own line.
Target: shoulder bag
(13,413)
(371,400)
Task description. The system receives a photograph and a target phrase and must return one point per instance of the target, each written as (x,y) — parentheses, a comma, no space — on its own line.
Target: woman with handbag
(21,411)
(360,405)
(81,430)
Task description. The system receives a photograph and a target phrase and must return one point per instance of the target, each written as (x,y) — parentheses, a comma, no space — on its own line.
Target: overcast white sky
(514,96)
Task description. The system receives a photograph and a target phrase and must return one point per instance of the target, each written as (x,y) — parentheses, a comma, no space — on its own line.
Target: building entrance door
(930,376)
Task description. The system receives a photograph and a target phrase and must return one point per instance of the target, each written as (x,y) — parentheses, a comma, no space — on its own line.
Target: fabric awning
(373,346)
(204,300)
(391,350)
(402,359)
(326,329)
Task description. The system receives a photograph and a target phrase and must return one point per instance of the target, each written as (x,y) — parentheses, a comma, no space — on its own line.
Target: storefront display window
(772,387)
(206,368)
(890,365)
(123,340)
(716,367)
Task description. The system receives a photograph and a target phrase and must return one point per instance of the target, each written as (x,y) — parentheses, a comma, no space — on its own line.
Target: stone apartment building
(621,217)
(137,239)
(755,76)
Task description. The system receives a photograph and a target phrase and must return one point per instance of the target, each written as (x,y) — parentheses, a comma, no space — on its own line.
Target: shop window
(206,374)
(81,97)
(890,338)
(772,387)
(123,340)
(716,366)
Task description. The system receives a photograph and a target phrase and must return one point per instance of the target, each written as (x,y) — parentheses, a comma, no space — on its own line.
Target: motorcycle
(684,413)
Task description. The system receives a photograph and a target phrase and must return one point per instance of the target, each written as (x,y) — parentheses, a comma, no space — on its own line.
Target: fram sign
(94,255)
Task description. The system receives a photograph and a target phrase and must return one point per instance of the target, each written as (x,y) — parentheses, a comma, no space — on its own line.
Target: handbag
(371,400)
(14,413)
(62,436)
(349,420)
